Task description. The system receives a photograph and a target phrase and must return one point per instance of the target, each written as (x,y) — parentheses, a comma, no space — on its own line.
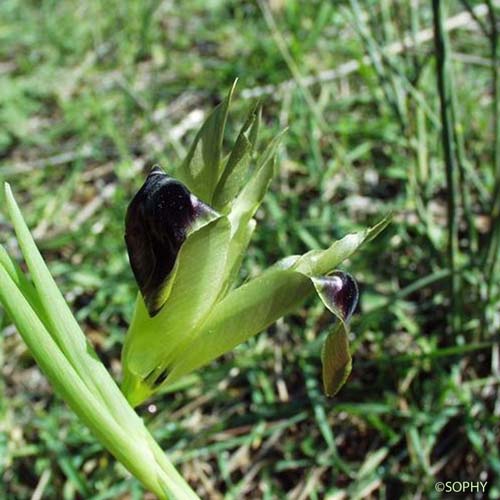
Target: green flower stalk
(186,238)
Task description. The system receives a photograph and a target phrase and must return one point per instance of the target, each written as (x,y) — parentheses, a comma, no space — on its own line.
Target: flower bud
(158,220)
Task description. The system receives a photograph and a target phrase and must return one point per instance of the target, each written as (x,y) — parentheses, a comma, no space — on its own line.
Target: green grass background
(93,93)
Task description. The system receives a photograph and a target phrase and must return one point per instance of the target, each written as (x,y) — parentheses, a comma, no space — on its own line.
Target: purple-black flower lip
(340,293)
(159,218)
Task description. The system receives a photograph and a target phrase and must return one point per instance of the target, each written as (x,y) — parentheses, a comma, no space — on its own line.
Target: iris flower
(186,237)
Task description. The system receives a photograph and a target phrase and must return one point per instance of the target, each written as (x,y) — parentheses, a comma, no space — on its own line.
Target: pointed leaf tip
(202,167)
(237,165)
(159,219)
(6,189)
(339,292)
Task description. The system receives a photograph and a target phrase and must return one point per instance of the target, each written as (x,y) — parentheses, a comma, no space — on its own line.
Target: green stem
(462,165)
(493,242)
(445,97)
(493,246)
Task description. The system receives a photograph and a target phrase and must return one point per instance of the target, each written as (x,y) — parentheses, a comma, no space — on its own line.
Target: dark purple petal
(339,292)
(159,218)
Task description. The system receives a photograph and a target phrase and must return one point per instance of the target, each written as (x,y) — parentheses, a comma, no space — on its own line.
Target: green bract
(186,239)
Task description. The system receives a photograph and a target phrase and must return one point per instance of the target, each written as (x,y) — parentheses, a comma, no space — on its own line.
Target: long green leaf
(236,253)
(254,306)
(24,284)
(202,168)
(250,198)
(243,313)
(64,329)
(67,382)
(321,262)
(245,206)
(235,170)
(60,348)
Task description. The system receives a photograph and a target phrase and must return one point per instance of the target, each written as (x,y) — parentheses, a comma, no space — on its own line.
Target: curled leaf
(159,219)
